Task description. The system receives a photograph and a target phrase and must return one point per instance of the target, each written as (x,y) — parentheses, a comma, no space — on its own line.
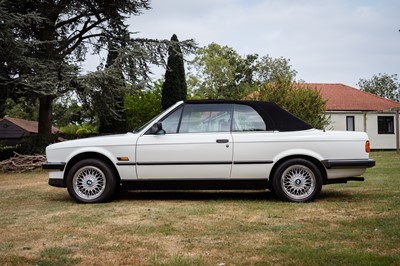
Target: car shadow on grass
(204,195)
(334,195)
(195,195)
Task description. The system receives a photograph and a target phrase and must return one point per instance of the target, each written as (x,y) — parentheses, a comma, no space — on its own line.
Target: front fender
(125,171)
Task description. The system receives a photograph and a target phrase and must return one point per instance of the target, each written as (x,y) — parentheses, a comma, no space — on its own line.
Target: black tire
(297,180)
(91,181)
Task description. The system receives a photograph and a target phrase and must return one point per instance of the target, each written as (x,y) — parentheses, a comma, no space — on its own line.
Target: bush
(84,129)
(305,103)
(142,106)
(35,144)
(6,152)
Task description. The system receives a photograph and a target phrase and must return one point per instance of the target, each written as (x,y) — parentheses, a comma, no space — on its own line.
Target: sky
(331,41)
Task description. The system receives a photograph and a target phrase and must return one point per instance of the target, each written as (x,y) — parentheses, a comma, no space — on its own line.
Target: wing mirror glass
(157,129)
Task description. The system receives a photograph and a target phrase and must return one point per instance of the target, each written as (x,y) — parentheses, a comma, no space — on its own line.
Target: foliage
(106,99)
(142,105)
(383,85)
(68,110)
(13,59)
(219,72)
(33,144)
(174,88)
(43,42)
(304,102)
(112,119)
(80,130)
(6,151)
(21,108)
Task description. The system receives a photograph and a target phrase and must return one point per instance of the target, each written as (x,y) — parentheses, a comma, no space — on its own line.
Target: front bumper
(57,182)
(54,166)
(55,173)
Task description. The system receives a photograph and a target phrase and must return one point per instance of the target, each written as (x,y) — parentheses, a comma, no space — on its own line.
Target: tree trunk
(45,115)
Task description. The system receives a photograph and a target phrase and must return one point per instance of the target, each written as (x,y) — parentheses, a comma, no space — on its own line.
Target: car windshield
(136,130)
(151,121)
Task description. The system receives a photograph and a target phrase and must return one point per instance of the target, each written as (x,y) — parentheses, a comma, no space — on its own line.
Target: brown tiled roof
(30,126)
(341,97)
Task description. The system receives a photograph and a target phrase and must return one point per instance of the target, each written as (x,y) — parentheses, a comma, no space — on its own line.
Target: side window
(171,122)
(350,124)
(198,118)
(385,125)
(246,118)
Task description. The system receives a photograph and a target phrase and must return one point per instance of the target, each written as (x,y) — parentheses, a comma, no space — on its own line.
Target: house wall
(367,122)
(10,133)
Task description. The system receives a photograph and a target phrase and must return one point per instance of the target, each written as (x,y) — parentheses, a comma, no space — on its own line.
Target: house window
(385,125)
(350,124)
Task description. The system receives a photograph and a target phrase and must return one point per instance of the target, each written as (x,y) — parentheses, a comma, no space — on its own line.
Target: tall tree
(113,118)
(220,72)
(52,37)
(57,38)
(383,85)
(302,101)
(174,88)
(13,60)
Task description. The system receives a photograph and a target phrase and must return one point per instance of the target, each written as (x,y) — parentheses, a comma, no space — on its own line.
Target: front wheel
(91,181)
(297,180)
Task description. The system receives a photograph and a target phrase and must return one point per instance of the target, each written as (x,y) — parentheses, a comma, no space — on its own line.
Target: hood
(110,140)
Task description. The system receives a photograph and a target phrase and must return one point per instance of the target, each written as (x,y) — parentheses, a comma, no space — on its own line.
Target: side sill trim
(253,162)
(213,184)
(356,163)
(126,163)
(193,163)
(54,166)
(183,163)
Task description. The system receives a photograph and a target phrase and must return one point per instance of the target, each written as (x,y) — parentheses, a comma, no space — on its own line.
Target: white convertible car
(211,144)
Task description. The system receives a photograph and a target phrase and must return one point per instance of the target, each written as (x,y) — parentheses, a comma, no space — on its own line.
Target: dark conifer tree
(174,88)
(111,95)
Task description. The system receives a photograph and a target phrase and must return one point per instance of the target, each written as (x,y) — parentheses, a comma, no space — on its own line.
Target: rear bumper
(354,163)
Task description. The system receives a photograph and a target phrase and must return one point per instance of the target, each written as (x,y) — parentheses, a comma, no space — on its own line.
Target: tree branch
(78,38)
(72,20)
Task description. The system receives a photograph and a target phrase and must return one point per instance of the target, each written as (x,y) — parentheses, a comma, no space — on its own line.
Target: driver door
(197,144)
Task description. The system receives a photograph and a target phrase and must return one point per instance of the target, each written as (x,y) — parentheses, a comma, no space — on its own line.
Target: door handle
(222,140)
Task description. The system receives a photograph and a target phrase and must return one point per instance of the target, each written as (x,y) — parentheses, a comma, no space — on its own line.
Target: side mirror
(157,129)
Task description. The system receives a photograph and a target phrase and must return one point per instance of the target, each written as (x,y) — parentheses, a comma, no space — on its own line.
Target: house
(12,130)
(355,110)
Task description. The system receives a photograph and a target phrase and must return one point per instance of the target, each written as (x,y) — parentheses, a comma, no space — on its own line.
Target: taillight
(367,147)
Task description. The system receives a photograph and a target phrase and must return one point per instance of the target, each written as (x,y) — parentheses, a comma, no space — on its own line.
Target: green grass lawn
(349,224)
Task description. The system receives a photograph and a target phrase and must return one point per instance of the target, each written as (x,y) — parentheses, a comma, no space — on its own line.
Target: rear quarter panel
(277,146)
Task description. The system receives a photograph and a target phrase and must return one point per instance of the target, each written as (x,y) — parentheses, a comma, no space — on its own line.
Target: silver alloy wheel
(89,182)
(298,182)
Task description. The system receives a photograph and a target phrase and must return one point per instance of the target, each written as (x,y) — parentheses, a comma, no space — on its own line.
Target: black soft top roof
(275,117)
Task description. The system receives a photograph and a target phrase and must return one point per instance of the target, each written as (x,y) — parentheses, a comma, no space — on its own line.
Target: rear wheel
(297,180)
(91,181)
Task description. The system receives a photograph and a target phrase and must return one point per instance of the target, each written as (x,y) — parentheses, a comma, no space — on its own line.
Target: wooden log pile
(21,163)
